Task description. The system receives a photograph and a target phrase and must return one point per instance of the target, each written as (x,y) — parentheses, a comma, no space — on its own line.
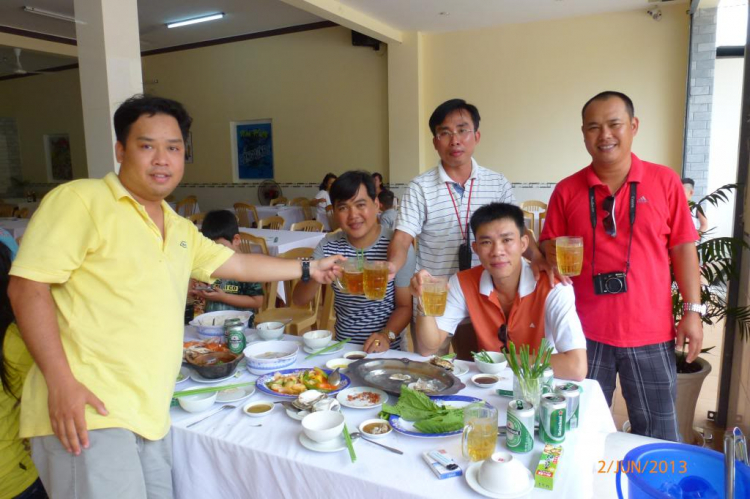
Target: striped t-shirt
(428,213)
(356,316)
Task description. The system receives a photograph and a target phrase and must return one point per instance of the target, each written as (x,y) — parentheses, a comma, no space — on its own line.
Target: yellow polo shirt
(119,291)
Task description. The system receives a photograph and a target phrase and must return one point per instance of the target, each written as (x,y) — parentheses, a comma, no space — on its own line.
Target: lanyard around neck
(592,211)
(455,207)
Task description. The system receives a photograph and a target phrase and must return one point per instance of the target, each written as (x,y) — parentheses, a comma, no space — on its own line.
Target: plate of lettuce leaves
(419,415)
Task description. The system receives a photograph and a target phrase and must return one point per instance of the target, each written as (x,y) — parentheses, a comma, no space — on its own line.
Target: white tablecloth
(290,214)
(16,226)
(225,457)
(281,241)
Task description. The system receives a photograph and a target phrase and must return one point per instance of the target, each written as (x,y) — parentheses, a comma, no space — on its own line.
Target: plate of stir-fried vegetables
(289,383)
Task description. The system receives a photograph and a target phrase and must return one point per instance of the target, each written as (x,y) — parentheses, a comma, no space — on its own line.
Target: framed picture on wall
(57,155)
(252,150)
(189,148)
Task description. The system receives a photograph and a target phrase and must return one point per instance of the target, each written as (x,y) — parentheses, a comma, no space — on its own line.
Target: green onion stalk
(530,374)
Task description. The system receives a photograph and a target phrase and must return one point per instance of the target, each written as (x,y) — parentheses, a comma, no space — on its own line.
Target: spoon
(228,406)
(355,435)
(335,377)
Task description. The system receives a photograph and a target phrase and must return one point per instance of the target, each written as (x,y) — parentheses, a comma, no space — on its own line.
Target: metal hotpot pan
(378,373)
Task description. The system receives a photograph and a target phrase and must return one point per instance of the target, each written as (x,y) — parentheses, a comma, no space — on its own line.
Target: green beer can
(236,338)
(572,394)
(520,426)
(552,418)
(228,324)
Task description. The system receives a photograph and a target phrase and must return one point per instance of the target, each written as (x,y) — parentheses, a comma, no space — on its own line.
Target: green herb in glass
(530,374)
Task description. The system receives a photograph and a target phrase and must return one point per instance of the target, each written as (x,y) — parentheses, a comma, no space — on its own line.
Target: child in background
(388,215)
(221,227)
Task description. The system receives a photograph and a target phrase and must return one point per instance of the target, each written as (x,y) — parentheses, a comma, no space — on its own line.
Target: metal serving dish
(378,372)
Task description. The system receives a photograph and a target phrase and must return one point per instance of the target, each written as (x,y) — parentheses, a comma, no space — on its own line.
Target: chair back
(307,226)
(247,215)
(253,244)
(332,222)
(23,213)
(187,206)
(303,203)
(278,200)
(197,218)
(538,210)
(275,223)
(528,219)
(8,210)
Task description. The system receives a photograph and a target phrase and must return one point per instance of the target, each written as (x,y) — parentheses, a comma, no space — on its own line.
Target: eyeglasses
(610,227)
(502,335)
(462,134)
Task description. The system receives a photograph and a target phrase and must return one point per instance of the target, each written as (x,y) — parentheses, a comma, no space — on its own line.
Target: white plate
(185,373)
(329,352)
(336,445)
(298,415)
(472,479)
(230,395)
(200,379)
(460,368)
(342,397)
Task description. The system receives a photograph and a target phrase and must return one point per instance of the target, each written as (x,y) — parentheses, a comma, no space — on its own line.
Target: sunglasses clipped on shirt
(502,335)
(608,205)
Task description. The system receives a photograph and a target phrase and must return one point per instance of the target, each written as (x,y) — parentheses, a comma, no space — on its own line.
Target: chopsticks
(327,349)
(210,389)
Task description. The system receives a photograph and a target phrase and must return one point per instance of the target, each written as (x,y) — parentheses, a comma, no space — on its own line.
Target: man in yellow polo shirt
(99,289)
(503,300)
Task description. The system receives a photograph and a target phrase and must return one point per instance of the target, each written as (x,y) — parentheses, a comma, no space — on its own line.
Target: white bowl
(477,377)
(323,426)
(247,407)
(368,422)
(211,325)
(270,330)
(355,355)
(341,363)
(258,364)
(317,339)
(494,368)
(504,474)
(197,403)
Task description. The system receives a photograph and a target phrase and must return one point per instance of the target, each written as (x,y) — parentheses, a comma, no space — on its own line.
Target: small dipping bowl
(342,364)
(317,339)
(355,355)
(499,363)
(270,330)
(370,428)
(197,403)
(485,380)
(258,409)
(323,426)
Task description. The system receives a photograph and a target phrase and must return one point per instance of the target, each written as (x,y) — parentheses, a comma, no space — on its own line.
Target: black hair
(449,106)
(497,211)
(6,316)
(386,198)
(378,175)
(220,223)
(328,177)
(609,94)
(347,185)
(138,105)
(689,181)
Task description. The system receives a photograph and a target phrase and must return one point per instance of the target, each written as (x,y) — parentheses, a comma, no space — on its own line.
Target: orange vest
(526,322)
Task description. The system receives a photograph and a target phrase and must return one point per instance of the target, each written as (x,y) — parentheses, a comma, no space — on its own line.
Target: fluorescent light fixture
(196,20)
(47,13)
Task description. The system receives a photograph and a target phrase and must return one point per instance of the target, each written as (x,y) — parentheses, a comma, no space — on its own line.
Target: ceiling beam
(39,45)
(349,18)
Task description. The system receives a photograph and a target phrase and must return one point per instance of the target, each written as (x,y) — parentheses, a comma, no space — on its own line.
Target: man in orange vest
(503,300)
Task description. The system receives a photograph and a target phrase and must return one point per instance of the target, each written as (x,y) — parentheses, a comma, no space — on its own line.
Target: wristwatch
(694,307)
(391,336)
(305,269)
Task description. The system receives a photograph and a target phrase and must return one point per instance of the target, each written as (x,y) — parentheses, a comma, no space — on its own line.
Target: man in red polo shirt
(634,219)
(503,300)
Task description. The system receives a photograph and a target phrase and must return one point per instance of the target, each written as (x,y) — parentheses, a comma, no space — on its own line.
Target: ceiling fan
(18,69)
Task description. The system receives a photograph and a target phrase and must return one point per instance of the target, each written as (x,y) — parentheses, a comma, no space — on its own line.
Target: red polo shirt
(642,315)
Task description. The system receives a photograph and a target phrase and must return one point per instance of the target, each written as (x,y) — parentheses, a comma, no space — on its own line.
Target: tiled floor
(712,336)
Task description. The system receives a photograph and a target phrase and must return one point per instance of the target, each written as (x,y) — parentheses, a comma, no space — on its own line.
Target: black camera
(610,284)
(464,256)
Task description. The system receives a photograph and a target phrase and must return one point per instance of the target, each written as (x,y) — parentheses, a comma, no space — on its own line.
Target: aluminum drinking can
(236,339)
(520,426)
(229,323)
(547,380)
(572,394)
(552,418)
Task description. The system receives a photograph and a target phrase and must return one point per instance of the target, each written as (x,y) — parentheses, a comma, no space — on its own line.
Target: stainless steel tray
(377,373)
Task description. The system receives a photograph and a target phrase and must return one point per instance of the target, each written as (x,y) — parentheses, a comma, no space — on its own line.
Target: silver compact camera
(611,283)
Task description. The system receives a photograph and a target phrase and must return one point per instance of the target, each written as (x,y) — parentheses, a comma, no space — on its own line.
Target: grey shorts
(118,463)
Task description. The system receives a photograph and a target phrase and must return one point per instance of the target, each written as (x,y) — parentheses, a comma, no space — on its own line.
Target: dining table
(281,241)
(16,226)
(290,214)
(226,455)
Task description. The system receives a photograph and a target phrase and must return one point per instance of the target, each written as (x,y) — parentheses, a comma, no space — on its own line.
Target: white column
(109,58)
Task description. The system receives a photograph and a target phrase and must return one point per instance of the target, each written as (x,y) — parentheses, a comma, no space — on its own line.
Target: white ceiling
(252,16)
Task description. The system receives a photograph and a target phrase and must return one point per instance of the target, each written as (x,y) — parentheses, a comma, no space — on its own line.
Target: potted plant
(719,257)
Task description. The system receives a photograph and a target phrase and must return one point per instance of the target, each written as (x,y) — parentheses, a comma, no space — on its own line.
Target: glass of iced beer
(434,295)
(375,282)
(352,277)
(569,252)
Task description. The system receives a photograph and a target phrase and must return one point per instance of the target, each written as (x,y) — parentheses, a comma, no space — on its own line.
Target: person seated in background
(323,199)
(226,294)
(388,215)
(378,179)
(18,474)
(699,219)
(377,324)
(503,300)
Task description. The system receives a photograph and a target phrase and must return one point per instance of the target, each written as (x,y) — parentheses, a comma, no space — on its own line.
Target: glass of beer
(351,278)
(375,280)
(434,295)
(569,252)
(480,432)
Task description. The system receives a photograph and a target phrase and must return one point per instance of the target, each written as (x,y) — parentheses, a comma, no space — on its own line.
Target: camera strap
(464,235)
(592,212)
